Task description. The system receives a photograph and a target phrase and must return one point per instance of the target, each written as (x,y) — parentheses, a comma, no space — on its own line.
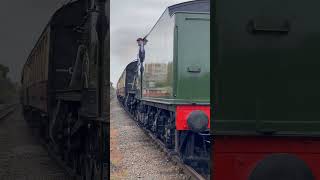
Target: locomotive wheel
(93,170)
(67,152)
(160,126)
(75,162)
(65,156)
(96,170)
(169,133)
(167,137)
(83,167)
(79,164)
(85,163)
(96,149)
(89,167)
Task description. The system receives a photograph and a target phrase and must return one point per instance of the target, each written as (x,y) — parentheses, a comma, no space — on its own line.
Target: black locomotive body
(62,86)
(126,89)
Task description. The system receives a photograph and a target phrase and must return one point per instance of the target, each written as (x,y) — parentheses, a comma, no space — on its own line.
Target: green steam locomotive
(167,89)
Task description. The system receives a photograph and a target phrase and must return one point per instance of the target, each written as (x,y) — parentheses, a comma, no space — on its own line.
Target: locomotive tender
(266,90)
(167,89)
(62,89)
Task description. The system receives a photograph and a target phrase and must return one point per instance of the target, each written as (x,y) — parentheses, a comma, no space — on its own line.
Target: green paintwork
(192,75)
(189,73)
(266,81)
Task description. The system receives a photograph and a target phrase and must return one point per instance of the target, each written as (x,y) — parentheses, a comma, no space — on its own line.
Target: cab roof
(198,6)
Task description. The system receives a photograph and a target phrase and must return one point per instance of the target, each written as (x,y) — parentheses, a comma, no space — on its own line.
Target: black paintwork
(131,72)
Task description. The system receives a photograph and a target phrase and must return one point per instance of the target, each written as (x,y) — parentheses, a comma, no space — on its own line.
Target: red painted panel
(234,157)
(183,111)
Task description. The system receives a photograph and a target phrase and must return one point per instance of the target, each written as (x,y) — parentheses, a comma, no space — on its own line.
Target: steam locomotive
(167,89)
(63,89)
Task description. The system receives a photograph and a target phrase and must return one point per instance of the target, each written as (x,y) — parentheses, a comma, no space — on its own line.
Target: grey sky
(129,20)
(22,21)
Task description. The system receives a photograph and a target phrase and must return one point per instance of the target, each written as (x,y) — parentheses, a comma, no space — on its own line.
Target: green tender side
(190,76)
(266,68)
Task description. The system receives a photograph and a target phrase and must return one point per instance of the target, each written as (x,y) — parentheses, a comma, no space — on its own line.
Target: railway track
(59,161)
(72,175)
(191,172)
(7,109)
(22,156)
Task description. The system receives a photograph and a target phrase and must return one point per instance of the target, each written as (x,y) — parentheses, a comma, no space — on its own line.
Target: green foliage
(8,89)
(3,71)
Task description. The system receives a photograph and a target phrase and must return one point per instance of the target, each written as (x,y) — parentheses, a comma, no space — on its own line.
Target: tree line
(8,89)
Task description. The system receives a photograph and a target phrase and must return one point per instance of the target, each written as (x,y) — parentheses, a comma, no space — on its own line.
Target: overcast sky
(22,22)
(131,19)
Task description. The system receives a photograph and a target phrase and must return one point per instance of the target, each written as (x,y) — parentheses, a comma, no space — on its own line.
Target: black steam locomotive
(63,88)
